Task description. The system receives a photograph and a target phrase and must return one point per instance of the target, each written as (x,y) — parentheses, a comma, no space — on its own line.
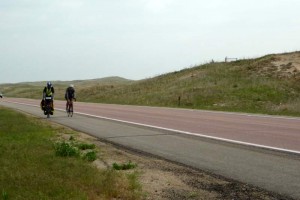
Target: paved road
(281,133)
(273,170)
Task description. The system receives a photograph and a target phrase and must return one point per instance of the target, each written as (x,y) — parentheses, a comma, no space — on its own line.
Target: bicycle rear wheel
(70,109)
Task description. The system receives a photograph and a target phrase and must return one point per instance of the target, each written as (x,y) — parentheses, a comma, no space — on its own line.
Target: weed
(68,149)
(193,195)
(4,195)
(124,166)
(90,156)
(65,149)
(84,146)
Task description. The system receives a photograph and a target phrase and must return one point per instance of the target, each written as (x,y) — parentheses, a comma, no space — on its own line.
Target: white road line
(179,131)
(195,134)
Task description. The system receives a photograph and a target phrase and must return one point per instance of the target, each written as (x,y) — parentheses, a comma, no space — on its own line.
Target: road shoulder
(163,179)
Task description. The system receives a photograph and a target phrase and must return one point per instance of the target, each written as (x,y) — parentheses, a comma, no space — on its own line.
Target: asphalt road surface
(256,149)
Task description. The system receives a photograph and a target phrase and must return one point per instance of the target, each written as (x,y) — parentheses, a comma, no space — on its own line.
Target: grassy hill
(270,84)
(35,89)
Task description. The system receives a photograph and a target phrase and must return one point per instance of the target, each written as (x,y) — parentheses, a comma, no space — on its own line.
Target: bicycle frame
(70,107)
(48,109)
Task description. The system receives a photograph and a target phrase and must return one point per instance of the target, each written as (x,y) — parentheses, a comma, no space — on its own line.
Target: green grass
(30,168)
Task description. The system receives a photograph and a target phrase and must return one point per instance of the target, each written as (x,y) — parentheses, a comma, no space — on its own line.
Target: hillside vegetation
(35,89)
(269,85)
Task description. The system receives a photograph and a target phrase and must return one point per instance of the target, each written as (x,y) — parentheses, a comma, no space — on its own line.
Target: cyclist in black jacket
(70,95)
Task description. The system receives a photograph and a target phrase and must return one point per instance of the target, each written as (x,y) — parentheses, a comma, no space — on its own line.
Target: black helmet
(49,84)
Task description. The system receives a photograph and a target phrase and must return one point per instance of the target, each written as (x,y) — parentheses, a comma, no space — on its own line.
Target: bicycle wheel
(68,109)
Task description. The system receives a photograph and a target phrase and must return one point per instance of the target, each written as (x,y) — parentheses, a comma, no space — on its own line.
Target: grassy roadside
(266,85)
(30,168)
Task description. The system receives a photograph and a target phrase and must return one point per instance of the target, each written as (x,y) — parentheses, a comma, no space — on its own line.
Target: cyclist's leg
(52,105)
(71,105)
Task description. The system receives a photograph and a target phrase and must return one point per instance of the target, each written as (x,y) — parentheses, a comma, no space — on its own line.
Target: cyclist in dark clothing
(48,92)
(70,95)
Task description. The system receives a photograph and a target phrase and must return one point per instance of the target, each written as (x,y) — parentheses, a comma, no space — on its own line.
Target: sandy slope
(288,63)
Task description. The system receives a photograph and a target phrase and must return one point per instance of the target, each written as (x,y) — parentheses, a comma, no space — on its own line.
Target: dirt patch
(287,65)
(283,66)
(291,59)
(161,179)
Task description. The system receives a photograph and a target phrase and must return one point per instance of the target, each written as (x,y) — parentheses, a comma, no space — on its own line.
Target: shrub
(90,156)
(65,149)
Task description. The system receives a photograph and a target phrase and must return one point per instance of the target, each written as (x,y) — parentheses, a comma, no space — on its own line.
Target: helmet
(49,84)
(71,85)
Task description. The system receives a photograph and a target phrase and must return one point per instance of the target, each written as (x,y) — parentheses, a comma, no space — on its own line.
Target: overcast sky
(44,40)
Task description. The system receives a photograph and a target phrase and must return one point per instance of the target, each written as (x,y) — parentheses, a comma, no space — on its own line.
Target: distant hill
(269,84)
(114,80)
(34,89)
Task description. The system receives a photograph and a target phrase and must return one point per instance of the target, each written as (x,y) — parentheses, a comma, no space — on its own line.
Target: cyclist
(70,95)
(49,92)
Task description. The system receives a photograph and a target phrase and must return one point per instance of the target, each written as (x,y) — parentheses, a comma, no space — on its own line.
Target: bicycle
(70,107)
(48,108)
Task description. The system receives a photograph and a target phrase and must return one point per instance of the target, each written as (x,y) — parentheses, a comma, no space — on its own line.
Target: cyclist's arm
(44,93)
(67,95)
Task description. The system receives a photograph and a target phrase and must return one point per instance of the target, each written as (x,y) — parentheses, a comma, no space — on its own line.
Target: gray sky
(44,40)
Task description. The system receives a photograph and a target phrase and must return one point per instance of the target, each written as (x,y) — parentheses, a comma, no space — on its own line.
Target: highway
(256,149)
